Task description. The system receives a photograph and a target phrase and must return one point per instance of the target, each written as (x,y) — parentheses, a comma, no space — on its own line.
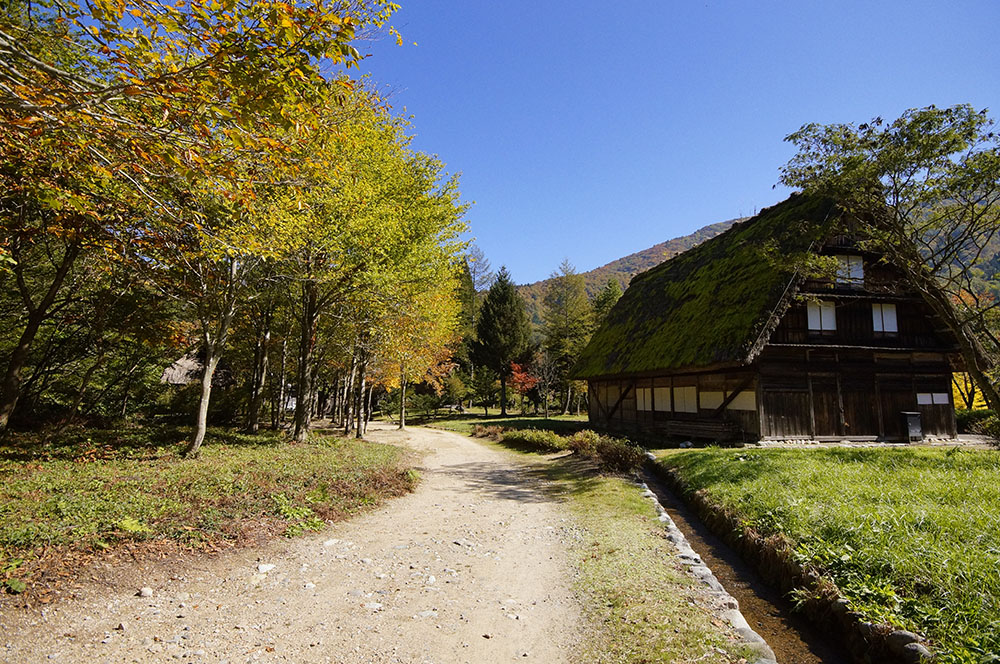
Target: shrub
(541,440)
(493,432)
(989,427)
(584,442)
(968,420)
(619,455)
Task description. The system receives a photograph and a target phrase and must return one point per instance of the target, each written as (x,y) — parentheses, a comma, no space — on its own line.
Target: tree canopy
(925,191)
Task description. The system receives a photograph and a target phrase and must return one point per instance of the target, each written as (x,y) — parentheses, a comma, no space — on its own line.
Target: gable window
(822,316)
(884,318)
(850,271)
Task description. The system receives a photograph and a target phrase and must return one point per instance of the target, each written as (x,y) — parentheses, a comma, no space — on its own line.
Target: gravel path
(469,568)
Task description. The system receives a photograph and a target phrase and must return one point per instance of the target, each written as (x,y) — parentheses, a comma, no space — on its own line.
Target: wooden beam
(621,397)
(732,395)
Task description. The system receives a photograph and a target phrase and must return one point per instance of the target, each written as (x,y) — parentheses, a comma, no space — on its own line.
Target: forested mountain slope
(625,268)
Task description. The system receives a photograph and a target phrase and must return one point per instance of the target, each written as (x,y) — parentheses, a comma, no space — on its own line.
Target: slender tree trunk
(82,389)
(402,397)
(10,388)
(360,409)
(569,394)
(503,395)
(259,375)
(368,407)
(279,413)
(349,394)
(303,401)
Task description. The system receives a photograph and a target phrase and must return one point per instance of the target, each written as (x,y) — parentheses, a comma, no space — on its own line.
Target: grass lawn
(910,536)
(93,490)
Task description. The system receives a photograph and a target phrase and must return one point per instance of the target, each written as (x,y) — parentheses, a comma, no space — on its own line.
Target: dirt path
(469,568)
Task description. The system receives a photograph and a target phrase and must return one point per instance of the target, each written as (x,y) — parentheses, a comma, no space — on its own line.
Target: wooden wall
(823,393)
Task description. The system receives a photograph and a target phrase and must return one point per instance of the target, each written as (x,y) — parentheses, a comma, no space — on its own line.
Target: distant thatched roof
(709,305)
(185,370)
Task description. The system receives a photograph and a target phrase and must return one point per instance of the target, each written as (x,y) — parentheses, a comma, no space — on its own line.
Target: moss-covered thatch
(709,305)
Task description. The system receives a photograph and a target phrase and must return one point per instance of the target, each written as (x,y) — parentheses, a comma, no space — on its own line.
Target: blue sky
(589,130)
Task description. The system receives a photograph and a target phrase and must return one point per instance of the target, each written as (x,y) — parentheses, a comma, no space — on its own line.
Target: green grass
(910,536)
(642,605)
(93,490)
(464,423)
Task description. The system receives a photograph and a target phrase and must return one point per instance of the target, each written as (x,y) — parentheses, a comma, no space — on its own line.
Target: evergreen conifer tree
(502,330)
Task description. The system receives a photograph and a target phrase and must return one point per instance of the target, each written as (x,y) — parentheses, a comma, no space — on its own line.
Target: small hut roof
(183,371)
(713,304)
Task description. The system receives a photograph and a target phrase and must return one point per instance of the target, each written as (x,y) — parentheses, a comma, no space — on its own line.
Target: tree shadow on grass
(129,442)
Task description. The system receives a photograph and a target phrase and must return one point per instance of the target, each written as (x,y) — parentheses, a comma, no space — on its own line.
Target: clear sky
(589,130)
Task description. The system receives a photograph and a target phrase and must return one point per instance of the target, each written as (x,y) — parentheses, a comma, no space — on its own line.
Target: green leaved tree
(567,315)
(925,190)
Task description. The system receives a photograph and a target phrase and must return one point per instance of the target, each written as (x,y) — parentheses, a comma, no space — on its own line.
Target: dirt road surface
(469,568)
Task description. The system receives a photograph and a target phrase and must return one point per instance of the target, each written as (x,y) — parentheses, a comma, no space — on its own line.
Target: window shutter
(814,318)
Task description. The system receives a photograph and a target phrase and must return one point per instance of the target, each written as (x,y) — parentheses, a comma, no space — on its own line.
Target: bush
(493,432)
(989,427)
(619,455)
(541,440)
(968,420)
(584,442)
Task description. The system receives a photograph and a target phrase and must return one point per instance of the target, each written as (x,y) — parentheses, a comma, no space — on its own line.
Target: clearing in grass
(911,536)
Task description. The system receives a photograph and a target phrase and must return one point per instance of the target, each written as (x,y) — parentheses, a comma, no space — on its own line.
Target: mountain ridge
(626,267)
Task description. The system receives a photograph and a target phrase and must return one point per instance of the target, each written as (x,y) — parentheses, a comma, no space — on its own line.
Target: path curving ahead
(469,568)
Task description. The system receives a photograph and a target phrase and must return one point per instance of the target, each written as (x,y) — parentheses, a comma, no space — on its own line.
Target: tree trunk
(259,375)
(569,395)
(201,424)
(402,398)
(349,394)
(278,413)
(503,395)
(303,400)
(368,408)
(10,388)
(360,408)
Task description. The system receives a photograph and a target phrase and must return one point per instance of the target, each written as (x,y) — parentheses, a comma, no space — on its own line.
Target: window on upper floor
(850,270)
(822,316)
(884,318)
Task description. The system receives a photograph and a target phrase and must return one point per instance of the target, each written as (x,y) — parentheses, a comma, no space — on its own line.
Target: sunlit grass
(910,536)
(92,496)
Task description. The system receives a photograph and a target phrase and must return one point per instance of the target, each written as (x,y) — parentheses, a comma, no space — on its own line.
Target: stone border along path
(471,567)
(726,605)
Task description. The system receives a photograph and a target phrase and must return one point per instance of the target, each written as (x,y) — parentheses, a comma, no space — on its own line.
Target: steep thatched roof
(711,304)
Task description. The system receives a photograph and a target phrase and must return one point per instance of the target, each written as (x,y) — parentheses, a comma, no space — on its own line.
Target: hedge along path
(469,568)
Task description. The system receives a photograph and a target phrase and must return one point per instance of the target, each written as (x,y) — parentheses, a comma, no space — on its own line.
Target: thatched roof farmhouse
(733,339)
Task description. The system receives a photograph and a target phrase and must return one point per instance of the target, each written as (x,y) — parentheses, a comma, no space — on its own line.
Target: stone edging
(866,642)
(727,606)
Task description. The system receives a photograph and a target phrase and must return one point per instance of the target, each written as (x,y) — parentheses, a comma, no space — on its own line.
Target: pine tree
(502,330)
(605,299)
(567,314)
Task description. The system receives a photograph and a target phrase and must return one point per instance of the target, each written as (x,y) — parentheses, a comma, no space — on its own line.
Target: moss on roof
(710,304)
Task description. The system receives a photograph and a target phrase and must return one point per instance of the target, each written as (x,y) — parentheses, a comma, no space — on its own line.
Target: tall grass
(910,536)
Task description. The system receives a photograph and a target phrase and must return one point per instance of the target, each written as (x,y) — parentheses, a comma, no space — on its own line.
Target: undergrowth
(911,537)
